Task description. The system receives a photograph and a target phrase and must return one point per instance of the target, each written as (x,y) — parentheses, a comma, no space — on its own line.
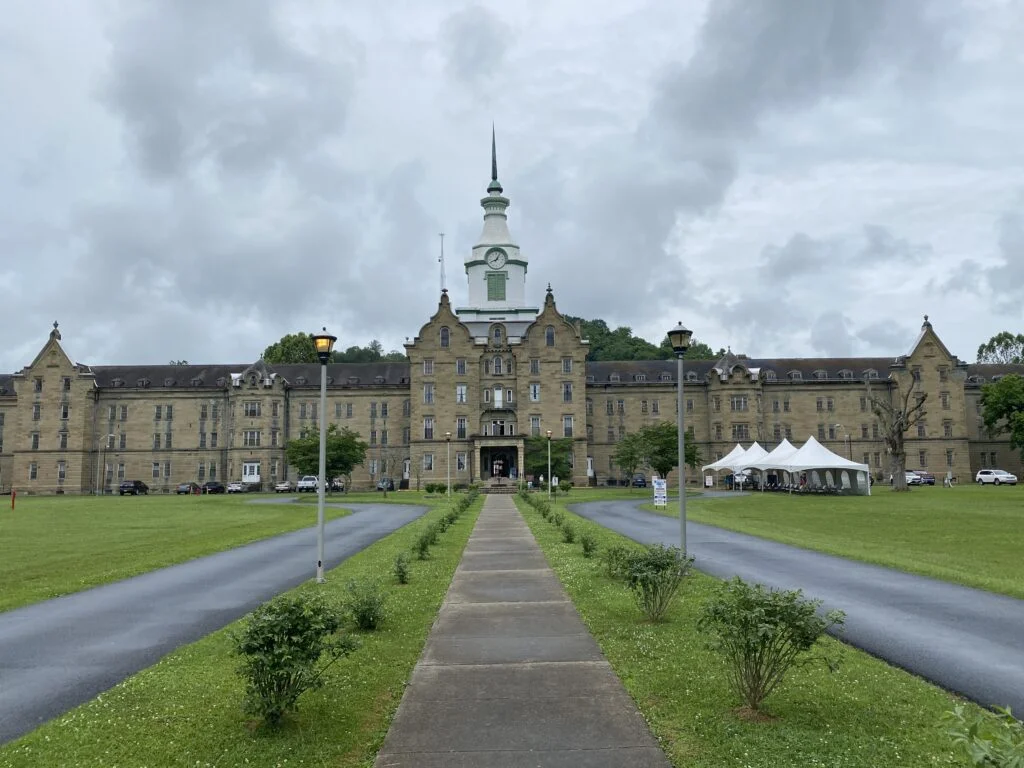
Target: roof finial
(495,185)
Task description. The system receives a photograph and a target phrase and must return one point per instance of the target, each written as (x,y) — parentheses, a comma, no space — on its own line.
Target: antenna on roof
(441,260)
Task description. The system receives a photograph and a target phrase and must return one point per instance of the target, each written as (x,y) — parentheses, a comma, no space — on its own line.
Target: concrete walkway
(510,677)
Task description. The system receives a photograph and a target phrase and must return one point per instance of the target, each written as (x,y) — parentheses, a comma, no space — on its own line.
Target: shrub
(762,633)
(365,604)
(281,646)
(422,546)
(987,739)
(589,544)
(402,569)
(654,575)
(565,487)
(616,560)
(556,519)
(568,533)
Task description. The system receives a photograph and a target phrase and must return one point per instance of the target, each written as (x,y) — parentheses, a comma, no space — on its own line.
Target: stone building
(478,380)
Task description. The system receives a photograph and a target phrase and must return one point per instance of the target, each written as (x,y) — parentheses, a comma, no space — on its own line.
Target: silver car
(995,477)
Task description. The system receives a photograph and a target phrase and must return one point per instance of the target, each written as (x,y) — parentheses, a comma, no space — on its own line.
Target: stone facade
(478,381)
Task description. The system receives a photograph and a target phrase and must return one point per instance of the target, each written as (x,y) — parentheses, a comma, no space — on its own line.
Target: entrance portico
(499,456)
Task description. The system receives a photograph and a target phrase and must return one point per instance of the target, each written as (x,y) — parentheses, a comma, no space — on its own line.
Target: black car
(385,484)
(927,478)
(213,486)
(189,487)
(639,481)
(132,488)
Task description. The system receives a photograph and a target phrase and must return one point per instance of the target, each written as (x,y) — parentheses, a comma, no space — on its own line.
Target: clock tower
(496,270)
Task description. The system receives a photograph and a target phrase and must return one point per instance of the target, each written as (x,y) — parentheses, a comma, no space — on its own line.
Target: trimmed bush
(281,646)
(556,519)
(365,604)
(422,546)
(589,544)
(616,560)
(654,575)
(986,739)
(402,569)
(762,633)
(568,533)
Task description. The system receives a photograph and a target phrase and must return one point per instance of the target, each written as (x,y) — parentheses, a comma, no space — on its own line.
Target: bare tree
(897,412)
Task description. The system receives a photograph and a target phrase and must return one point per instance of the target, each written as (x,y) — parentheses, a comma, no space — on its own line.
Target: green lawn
(866,715)
(970,535)
(186,710)
(51,546)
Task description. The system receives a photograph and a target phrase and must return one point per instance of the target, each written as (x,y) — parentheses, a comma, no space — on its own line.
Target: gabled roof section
(50,348)
(653,371)
(927,332)
(446,316)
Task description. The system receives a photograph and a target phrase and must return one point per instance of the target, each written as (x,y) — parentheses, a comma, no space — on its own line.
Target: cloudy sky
(194,179)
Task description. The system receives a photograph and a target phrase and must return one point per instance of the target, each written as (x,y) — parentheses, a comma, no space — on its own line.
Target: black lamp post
(324,343)
(679,339)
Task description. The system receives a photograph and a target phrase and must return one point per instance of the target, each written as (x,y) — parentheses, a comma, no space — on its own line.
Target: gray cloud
(831,335)
(474,42)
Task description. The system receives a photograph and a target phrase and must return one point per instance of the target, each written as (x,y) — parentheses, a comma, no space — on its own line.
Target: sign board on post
(660,492)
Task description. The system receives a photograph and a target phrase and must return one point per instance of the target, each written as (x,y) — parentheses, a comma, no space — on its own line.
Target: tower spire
(495,185)
(444,287)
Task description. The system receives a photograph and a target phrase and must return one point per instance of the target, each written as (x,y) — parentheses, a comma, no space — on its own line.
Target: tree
(178,362)
(897,412)
(371,353)
(292,348)
(345,451)
(1002,404)
(630,454)
(698,351)
(535,457)
(621,344)
(1004,348)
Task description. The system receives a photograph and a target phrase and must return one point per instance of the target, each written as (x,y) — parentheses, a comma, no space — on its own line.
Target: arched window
(497,334)
(445,337)
(497,365)
(549,335)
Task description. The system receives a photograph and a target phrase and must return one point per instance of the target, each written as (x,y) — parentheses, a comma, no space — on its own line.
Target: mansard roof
(390,374)
(984,373)
(834,367)
(220,376)
(602,371)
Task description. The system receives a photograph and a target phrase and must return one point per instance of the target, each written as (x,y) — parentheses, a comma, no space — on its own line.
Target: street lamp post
(849,447)
(448,461)
(679,338)
(99,468)
(549,463)
(324,343)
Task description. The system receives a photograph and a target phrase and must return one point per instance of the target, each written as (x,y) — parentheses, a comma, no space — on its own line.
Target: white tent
(754,454)
(776,457)
(825,468)
(726,461)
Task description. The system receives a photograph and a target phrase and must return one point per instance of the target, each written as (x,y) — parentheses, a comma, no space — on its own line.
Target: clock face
(496,259)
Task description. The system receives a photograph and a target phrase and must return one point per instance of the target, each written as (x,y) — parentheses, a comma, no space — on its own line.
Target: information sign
(660,492)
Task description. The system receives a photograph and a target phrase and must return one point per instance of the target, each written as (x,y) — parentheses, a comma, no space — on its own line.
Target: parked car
(337,484)
(995,477)
(307,483)
(189,487)
(132,488)
(639,481)
(927,478)
(913,478)
(385,484)
(213,486)
(236,487)
(285,486)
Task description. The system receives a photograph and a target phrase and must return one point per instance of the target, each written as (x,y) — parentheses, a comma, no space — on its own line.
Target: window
(689,405)
(567,426)
(35,441)
(302,410)
(820,403)
(566,391)
(156,441)
(947,428)
(874,431)
(122,442)
(496,286)
(156,470)
(878,459)
(640,377)
(944,399)
(776,431)
(158,412)
(922,459)
(201,471)
(373,466)
(785,405)
(566,365)
(830,404)
(460,461)
(275,409)
(821,431)
(460,366)
(428,394)
(655,407)
(445,338)
(716,403)
(534,366)
(33,471)
(534,392)
(487,395)
(611,434)
(406,433)
(373,410)
(213,413)
(921,432)
(535,426)
(622,432)
(460,427)
(62,441)
(831,432)
(251,408)
(864,432)
(643,406)
(428,366)
(610,407)
(66,383)
(384,410)
(497,366)
(549,336)
(213,441)
(788,431)
(428,462)
(718,431)
(37,412)
(273,468)
(428,428)
(776,406)
(348,409)
(740,432)
(37,384)
(738,402)
(943,373)
(383,437)
(64,410)
(167,440)
(949,458)
(167,469)
(202,439)
(62,471)
(497,334)
(213,470)
(112,412)
(373,437)
(202,412)
(120,471)
(916,373)
(863,404)
(621,406)
(460,393)
(508,395)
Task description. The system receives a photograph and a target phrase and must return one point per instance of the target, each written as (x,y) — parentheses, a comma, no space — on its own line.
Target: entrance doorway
(499,462)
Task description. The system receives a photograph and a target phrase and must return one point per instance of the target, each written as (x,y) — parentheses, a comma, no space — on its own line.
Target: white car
(913,478)
(236,487)
(307,483)
(995,477)
(285,486)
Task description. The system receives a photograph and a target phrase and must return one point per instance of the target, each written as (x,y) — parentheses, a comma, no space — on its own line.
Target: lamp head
(447,435)
(324,343)
(549,434)
(679,339)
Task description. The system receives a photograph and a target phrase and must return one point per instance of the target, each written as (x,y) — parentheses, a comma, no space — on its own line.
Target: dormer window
(846,373)
(665,376)
(330,380)
(497,334)
(197,382)
(795,376)
(691,376)
(300,380)
(143,383)
(769,375)
(352,380)
(820,374)
(549,336)
(640,377)
(590,378)
(870,373)
(169,382)
(221,381)
(378,379)
(445,338)
(614,378)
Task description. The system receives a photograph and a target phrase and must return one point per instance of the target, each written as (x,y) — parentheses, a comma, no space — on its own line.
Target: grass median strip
(867,714)
(186,709)
(52,546)
(967,535)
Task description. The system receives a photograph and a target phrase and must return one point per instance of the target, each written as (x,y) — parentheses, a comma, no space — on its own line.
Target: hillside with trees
(621,344)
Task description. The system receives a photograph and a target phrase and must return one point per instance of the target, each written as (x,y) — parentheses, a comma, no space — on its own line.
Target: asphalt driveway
(965,640)
(60,653)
